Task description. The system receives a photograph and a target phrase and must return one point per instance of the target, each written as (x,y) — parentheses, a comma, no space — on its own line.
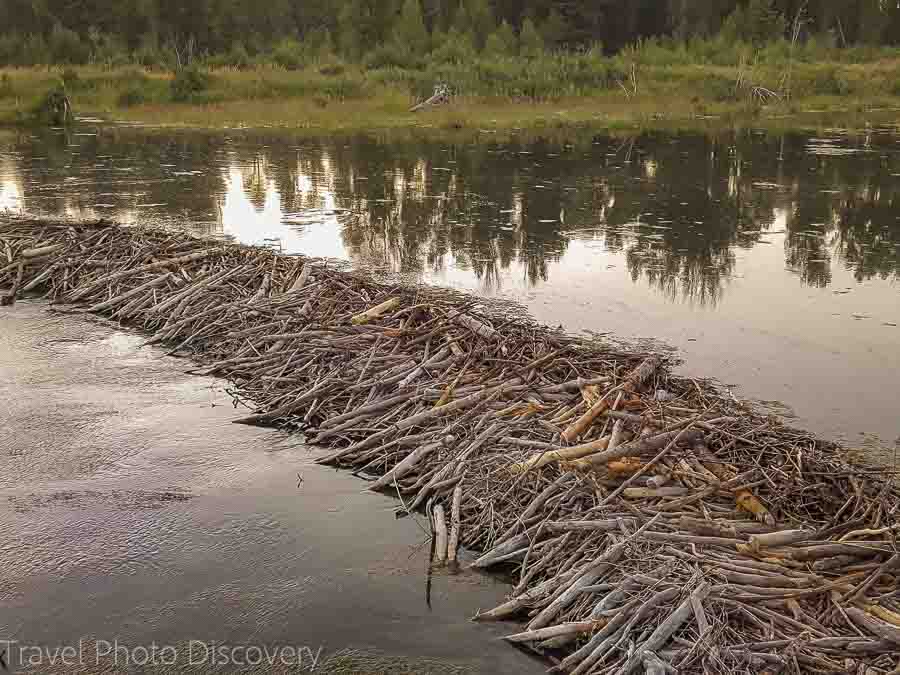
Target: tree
(503,41)
(757,23)
(474,17)
(531,44)
(554,29)
(482,21)
(410,32)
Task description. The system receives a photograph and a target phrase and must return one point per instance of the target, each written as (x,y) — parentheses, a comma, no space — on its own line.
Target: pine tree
(503,41)
(554,29)
(764,22)
(410,32)
(481,21)
(531,44)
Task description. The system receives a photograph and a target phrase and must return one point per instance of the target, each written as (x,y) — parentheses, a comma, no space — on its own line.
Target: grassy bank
(644,87)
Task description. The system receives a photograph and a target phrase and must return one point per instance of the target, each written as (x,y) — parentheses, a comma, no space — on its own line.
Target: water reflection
(677,213)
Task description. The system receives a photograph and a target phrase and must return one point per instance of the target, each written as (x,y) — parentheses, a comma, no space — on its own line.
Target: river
(768,262)
(132,510)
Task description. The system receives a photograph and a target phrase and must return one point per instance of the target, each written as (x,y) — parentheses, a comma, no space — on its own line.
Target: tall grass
(692,77)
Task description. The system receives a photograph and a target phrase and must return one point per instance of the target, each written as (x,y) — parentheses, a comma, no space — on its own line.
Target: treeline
(293,32)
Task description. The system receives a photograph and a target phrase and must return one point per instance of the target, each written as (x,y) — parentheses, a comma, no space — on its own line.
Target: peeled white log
(375,312)
(440,535)
(29,253)
(453,545)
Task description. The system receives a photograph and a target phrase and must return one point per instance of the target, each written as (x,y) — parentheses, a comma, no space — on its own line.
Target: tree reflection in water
(678,209)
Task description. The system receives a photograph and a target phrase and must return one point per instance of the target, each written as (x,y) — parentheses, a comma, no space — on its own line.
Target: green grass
(675,86)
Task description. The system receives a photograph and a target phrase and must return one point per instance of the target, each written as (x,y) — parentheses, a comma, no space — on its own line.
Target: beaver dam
(650,522)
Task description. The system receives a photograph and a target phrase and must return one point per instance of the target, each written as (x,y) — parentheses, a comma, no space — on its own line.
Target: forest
(291,33)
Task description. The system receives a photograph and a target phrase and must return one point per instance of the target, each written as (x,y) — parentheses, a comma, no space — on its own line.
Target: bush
(289,54)
(456,48)
(717,88)
(53,109)
(133,95)
(189,84)
(502,42)
(390,56)
(342,88)
(66,46)
(531,43)
(6,86)
(109,50)
(332,69)
(34,51)
(70,79)
(829,81)
(149,55)
(10,49)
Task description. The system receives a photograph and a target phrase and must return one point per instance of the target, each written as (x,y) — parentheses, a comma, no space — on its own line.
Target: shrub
(829,81)
(289,54)
(66,46)
(502,42)
(11,47)
(51,109)
(189,84)
(332,69)
(343,88)
(531,43)
(133,95)
(456,48)
(34,51)
(389,56)
(70,79)
(410,32)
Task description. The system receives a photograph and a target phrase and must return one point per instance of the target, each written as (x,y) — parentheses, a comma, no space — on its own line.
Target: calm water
(771,263)
(131,509)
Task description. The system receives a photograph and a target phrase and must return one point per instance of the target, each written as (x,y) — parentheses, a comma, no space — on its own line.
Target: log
(301,279)
(30,253)
(143,288)
(558,454)
(79,293)
(634,380)
(479,328)
(573,628)
(666,629)
(10,297)
(440,96)
(440,535)
(375,312)
(638,447)
(878,628)
(407,464)
(782,538)
(453,544)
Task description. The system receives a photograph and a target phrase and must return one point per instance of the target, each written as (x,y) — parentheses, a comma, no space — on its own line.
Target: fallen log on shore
(678,533)
(440,96)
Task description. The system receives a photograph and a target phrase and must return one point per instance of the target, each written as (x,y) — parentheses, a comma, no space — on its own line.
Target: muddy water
(770,263)
(132,510)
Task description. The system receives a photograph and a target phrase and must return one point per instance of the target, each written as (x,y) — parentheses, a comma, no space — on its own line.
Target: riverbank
(584,469)
(556,96)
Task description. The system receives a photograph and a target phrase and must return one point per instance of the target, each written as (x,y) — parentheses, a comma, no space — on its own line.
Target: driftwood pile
(650,522)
